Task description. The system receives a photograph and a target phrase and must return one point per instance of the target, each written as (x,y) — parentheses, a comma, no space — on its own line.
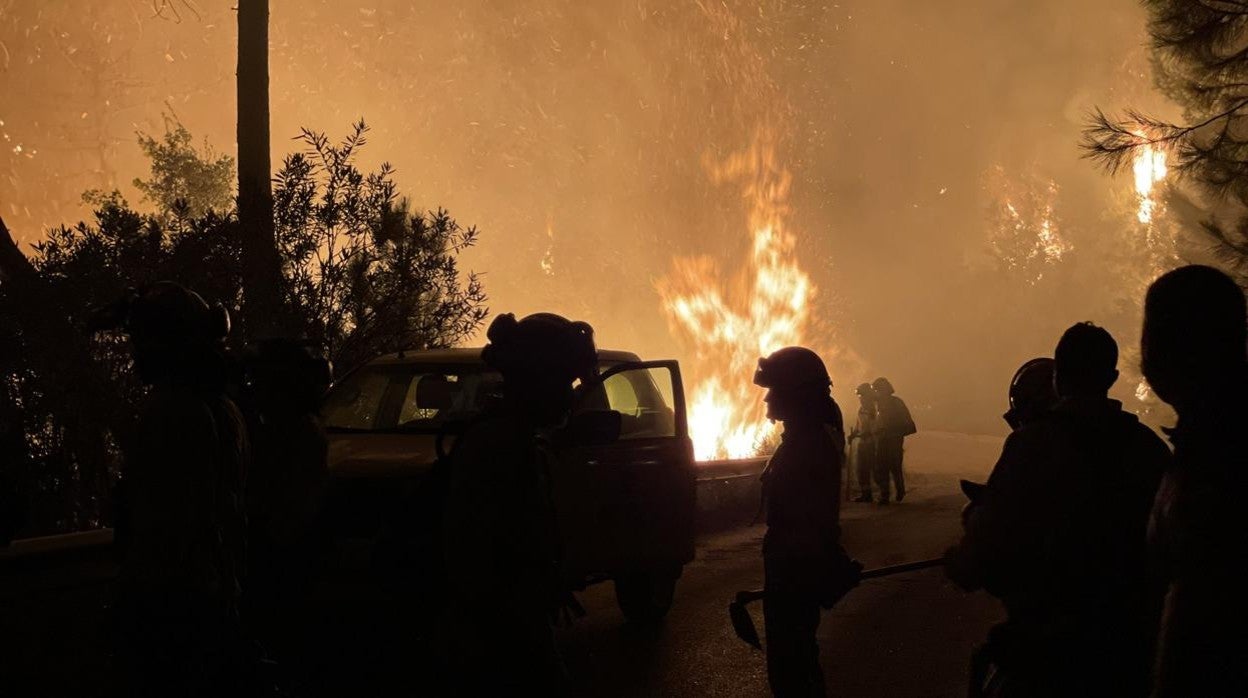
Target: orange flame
(765,307)
(1149,168)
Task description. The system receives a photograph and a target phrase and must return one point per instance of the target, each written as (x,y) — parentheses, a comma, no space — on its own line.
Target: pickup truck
(625,502)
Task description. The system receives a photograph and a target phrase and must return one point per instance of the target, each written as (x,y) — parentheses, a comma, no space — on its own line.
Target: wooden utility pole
(263,307)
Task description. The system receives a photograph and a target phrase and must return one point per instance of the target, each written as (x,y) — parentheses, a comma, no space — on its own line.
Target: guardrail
(717,470)
(721,484)
(729,492)
(53,545)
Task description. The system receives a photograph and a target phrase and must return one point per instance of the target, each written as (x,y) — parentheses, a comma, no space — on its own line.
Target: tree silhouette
(361,274)
(1200,61)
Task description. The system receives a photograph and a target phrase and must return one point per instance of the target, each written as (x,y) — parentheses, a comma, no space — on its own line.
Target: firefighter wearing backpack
(500,539)
(893,424)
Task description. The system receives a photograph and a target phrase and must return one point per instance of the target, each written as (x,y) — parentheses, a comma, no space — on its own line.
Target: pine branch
(1114,142)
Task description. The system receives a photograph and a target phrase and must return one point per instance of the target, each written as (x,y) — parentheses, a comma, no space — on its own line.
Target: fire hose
(743,623)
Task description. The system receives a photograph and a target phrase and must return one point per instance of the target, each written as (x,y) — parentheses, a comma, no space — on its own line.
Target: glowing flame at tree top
(731,323)
(1149,168)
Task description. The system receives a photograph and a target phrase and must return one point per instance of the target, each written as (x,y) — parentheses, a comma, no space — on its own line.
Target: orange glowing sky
(576,135)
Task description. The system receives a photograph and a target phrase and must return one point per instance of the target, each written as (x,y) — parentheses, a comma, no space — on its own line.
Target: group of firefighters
(876,440)
(1120,564)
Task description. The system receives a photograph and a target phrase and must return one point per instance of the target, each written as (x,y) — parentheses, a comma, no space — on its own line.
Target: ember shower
(602,148)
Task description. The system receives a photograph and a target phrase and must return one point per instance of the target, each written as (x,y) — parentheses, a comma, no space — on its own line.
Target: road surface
(909,635)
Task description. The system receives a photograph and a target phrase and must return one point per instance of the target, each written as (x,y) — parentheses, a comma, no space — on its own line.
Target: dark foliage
(1200,61)
(363,274)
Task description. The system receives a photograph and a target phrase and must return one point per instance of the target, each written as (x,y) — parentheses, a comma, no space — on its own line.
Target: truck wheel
(645,597)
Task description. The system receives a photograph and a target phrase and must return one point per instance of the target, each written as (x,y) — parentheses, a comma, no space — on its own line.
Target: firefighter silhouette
(181,521)
(892,425)
(1193,357)
(501,542)
(862,441)
(804,565)
(286,381)
(1058,535)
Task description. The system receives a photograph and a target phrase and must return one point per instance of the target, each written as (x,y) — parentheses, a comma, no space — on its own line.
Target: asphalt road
(908,635)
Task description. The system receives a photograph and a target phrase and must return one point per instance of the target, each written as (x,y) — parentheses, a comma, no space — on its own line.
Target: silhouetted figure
(502,547)
(178,586)
(1058,534)
(893,424)
(286,483)
(803,561)
(862,439)
(1033,395)
(1194,358)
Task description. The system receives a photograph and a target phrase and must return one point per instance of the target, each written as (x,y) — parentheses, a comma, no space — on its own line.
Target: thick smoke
(574,134)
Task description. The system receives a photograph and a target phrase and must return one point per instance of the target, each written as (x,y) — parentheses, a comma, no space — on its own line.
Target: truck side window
(644,412)
(621,396)
(356,403)
(427,396)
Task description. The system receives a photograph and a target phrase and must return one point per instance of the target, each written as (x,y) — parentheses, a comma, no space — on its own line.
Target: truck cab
(624,496)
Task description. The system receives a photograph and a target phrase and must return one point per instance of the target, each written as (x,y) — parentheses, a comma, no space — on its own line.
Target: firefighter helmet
(792,367)
(542,344)
(881,386)
(1032,391)
(165,314)
(1033,383)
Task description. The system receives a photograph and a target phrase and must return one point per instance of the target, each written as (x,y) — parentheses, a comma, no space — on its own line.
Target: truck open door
(637,491)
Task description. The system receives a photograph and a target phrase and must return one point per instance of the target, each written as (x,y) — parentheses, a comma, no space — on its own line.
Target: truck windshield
(409,397)
(423,398)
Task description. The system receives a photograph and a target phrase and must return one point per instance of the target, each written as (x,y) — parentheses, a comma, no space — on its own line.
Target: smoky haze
(576,134)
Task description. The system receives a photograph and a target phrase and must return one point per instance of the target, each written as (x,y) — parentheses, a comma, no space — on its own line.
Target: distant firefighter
(893,424)
(862,441)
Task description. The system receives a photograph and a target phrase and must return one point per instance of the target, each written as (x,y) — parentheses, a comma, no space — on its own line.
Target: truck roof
(472,355)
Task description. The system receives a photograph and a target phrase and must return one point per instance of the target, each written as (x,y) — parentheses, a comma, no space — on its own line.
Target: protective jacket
(803,561)
(1059,536)
(803,487)
(181,534)
(894,421)
(502,557)
(1199,535)
(182,509)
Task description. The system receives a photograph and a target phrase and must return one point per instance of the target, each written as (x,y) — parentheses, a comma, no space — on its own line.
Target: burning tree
(1200,58)
(765,307)
(1024,233)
